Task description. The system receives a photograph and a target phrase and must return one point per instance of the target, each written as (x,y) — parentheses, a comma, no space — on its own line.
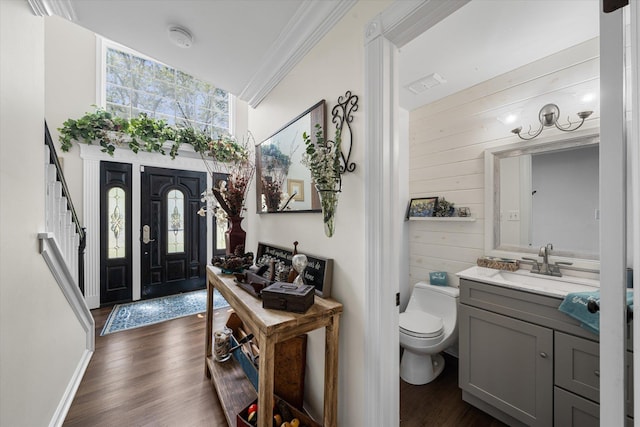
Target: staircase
(62,246)
(61,220)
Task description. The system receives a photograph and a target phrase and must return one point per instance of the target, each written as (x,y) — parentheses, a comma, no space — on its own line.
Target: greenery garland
(147,134)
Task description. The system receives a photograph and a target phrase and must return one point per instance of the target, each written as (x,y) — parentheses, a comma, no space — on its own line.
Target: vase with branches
(322,158)
(230,195)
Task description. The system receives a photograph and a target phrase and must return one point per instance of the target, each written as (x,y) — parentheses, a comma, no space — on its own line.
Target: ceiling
(487,38)
(243,46)
(247,46)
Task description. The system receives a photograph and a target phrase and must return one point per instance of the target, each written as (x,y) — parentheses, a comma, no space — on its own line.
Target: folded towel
(575,305)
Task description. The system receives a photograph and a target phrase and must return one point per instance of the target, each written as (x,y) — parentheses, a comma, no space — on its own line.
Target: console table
(269,328)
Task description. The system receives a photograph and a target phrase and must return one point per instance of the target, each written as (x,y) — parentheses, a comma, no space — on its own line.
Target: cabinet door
(508,364)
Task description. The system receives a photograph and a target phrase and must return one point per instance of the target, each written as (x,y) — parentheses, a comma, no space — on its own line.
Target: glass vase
(329,203)
(235,236)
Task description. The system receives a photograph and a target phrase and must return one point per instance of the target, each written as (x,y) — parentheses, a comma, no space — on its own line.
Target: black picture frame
(422,207)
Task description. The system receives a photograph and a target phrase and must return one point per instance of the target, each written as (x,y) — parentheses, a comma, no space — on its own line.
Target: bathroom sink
(525,280)
(563,284)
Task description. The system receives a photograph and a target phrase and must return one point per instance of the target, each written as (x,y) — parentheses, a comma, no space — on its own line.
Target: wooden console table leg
(265,381)
(209,327)
(331,372)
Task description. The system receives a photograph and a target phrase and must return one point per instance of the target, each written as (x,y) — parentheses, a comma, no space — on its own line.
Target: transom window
(135,84)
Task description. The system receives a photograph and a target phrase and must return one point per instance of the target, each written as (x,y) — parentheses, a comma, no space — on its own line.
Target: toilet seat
(419,324)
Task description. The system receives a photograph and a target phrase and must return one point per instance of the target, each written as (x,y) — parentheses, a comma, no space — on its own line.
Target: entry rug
(147,312)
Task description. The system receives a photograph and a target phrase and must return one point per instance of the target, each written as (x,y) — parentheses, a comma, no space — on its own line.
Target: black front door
(115,233)
(173,235)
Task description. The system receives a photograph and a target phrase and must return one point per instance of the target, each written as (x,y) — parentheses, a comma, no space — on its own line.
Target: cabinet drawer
(577,365)
(574,411)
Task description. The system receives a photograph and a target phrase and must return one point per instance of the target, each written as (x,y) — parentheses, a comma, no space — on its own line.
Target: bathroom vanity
(522,360)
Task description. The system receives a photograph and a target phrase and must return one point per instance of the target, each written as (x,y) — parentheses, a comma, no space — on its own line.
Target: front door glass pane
(175,207)
(117,211)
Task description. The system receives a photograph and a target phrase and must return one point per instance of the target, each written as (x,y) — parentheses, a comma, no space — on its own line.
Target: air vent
(425,83)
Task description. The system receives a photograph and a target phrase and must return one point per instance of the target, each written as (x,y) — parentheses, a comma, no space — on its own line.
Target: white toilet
(428,326)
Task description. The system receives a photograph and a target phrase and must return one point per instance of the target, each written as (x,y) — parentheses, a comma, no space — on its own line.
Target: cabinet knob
(543,354)
(597,373)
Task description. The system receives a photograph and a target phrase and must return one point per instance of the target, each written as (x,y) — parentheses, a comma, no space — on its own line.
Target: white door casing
(398,24)
(91,157)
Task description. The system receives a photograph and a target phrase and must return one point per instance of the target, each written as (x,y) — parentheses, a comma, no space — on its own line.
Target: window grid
(135,85)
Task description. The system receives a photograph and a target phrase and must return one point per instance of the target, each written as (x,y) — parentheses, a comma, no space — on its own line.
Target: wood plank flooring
(154,376)
(150,376)
(440,404)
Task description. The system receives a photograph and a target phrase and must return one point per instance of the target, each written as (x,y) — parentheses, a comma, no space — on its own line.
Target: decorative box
(288,297)
(284,409)
(499,263)
(289,365)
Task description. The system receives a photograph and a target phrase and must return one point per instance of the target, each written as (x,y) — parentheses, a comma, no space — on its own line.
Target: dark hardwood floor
(150,376)
(154,376)
(440,404)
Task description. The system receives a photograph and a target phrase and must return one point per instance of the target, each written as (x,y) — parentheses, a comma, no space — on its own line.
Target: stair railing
(70,210)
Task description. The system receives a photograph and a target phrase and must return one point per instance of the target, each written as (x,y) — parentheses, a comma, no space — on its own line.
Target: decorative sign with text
(318,273)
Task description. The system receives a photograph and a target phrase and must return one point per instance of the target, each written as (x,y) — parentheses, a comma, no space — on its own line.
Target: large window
(134,84)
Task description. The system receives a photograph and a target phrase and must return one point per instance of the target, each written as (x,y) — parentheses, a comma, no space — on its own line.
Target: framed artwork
(296,186)
(422,207)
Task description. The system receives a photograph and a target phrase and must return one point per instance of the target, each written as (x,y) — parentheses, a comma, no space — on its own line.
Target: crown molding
(410,18)
(62,8)
(312,21)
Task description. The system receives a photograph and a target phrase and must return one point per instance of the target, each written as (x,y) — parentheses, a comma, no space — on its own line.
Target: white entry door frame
(91,156)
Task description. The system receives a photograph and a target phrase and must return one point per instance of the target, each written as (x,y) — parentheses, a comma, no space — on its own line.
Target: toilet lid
(420,324)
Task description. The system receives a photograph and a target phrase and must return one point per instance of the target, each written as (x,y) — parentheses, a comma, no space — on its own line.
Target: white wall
(449,136)
(334,66)
(70,89)
(41,341)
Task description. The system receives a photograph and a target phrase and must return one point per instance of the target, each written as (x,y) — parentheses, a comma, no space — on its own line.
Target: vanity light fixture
(548,117)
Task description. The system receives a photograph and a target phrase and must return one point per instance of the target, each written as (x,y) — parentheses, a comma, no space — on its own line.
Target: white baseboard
(93,301)
(65,403)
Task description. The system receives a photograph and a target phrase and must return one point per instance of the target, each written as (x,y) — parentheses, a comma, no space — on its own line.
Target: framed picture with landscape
(422,207)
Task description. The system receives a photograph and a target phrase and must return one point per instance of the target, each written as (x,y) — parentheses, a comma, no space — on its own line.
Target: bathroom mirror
(544,191)
(283,183)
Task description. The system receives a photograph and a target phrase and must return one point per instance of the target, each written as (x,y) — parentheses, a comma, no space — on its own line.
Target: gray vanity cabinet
(511,364)
(525,362)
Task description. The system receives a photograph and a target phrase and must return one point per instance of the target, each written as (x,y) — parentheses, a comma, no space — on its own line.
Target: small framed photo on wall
(295,187)
(422,207)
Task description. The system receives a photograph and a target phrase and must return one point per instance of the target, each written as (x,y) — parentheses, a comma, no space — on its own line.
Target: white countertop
(526,281)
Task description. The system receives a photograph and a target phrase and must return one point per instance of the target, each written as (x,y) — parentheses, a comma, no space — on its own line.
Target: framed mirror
(542,192)
(283,183)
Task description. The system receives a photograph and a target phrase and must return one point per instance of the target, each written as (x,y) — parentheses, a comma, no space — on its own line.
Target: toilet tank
(440,301)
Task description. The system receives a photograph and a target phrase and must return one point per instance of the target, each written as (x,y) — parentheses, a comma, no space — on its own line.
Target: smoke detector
(180,37)
(425,83)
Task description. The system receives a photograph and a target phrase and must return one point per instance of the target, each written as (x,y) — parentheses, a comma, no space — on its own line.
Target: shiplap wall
(448,138)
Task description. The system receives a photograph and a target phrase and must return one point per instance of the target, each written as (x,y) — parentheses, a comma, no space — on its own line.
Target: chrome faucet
(544,267)
(544,252)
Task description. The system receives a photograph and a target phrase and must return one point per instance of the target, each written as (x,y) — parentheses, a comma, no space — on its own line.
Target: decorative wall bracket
(341,114)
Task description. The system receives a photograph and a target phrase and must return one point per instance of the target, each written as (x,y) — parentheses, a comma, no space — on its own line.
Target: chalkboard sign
(318,273)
